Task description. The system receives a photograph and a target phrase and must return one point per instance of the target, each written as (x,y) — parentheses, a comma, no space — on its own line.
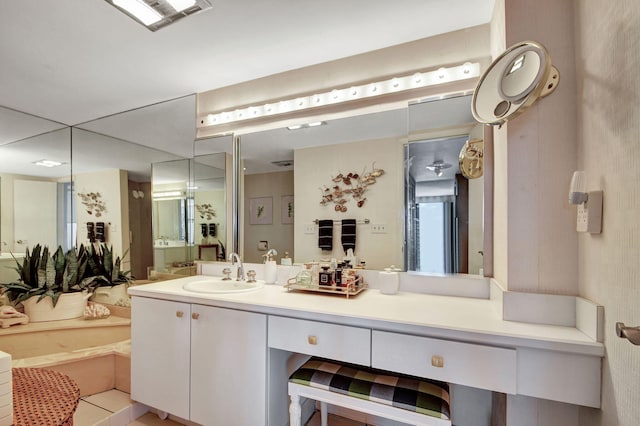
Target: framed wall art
(287,209)
(261,211)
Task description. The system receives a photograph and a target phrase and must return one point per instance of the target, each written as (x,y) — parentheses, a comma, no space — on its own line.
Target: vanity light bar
(167,194)
(337,96)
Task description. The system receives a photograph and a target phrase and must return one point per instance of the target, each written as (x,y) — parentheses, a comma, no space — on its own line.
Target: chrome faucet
(233,257)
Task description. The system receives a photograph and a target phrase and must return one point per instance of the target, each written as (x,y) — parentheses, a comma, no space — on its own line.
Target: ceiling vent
(283,163)
(156,14)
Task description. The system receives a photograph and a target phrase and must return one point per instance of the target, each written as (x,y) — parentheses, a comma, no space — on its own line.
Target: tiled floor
(332,420)
(114,408)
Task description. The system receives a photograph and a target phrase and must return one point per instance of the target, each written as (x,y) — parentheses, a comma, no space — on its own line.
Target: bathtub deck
(44,338)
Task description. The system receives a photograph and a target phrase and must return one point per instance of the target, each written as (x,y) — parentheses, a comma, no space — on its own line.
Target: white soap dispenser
(270,267)
(389,280)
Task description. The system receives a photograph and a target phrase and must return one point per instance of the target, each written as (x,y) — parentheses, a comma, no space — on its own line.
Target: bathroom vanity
(211,358)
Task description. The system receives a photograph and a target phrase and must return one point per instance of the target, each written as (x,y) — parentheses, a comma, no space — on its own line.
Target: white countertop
(454,318)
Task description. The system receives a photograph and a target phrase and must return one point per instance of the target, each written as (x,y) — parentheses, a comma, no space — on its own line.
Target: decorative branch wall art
(351,186)
(93,202)
(205,211)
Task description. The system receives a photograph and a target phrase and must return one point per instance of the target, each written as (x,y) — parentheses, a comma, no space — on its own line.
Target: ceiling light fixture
(437,167)
(353,93)
(140,10)
(156,14)
(180,5)
(48,163)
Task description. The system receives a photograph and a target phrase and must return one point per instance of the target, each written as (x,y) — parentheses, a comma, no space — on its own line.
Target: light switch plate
(590,214)
(310,229)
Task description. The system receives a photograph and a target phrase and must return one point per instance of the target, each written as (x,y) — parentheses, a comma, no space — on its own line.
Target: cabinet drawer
(337,342)
(479,366)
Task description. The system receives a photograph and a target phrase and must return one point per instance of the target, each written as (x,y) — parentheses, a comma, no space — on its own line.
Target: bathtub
(95,353)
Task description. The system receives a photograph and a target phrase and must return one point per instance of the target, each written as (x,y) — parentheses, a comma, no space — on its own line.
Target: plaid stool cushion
(423,396)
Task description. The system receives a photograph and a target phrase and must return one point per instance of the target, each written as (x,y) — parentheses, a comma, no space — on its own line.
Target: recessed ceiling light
(48,163)
(307,125)
(156,14)
(139,9)
(180,5)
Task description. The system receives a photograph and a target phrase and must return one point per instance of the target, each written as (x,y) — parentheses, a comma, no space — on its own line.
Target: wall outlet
(590,214)
(310,229)
(378,228)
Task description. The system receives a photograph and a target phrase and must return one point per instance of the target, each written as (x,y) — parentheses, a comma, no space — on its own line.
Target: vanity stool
(392,396)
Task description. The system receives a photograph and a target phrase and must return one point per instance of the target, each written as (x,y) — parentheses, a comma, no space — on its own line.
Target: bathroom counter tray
(355,288)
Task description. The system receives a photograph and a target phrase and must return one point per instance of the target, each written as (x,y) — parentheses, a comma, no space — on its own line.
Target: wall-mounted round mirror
(513,82)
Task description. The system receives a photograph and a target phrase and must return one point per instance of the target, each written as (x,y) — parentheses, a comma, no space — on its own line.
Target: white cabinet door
(228,367)
(160,354)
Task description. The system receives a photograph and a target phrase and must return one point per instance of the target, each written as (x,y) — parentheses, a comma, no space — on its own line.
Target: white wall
(278,235)
(608,64)
(314,169)
(535,161)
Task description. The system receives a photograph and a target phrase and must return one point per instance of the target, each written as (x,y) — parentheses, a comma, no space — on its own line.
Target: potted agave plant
(51,287)
(112,280)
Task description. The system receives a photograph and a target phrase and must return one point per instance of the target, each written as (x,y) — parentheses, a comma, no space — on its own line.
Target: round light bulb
(441,72)
(466,67)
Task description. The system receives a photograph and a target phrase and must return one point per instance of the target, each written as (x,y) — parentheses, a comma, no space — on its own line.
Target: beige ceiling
(76,60)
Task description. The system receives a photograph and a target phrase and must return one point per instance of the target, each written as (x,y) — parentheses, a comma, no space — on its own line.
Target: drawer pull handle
(179,314)
(195,315)
(313,340)
(437,361)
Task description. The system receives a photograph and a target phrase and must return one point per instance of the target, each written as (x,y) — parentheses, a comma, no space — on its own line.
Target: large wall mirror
(148,153)
(444,209)
(35,186)
(313,167)
(60,185)
(113,188)
(288,172)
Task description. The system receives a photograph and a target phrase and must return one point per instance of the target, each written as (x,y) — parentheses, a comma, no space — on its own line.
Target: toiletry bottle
(286,260)
(337,276)
(304,277)
(325,276)
(270,267)
(315,273)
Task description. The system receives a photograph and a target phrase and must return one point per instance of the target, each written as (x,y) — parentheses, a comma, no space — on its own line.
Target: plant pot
(116,295)
(70,305)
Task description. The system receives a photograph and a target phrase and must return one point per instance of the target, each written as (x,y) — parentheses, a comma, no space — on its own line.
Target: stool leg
(323,413)
(295,411)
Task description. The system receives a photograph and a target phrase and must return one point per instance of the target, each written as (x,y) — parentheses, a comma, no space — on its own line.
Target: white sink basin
(218,285)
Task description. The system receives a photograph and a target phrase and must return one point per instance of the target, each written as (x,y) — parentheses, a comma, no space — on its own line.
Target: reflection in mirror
(159,133)
(304,163)
(209,197)
(173,217)
(214,190)
(120,172)
(444,211)
(35,195)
